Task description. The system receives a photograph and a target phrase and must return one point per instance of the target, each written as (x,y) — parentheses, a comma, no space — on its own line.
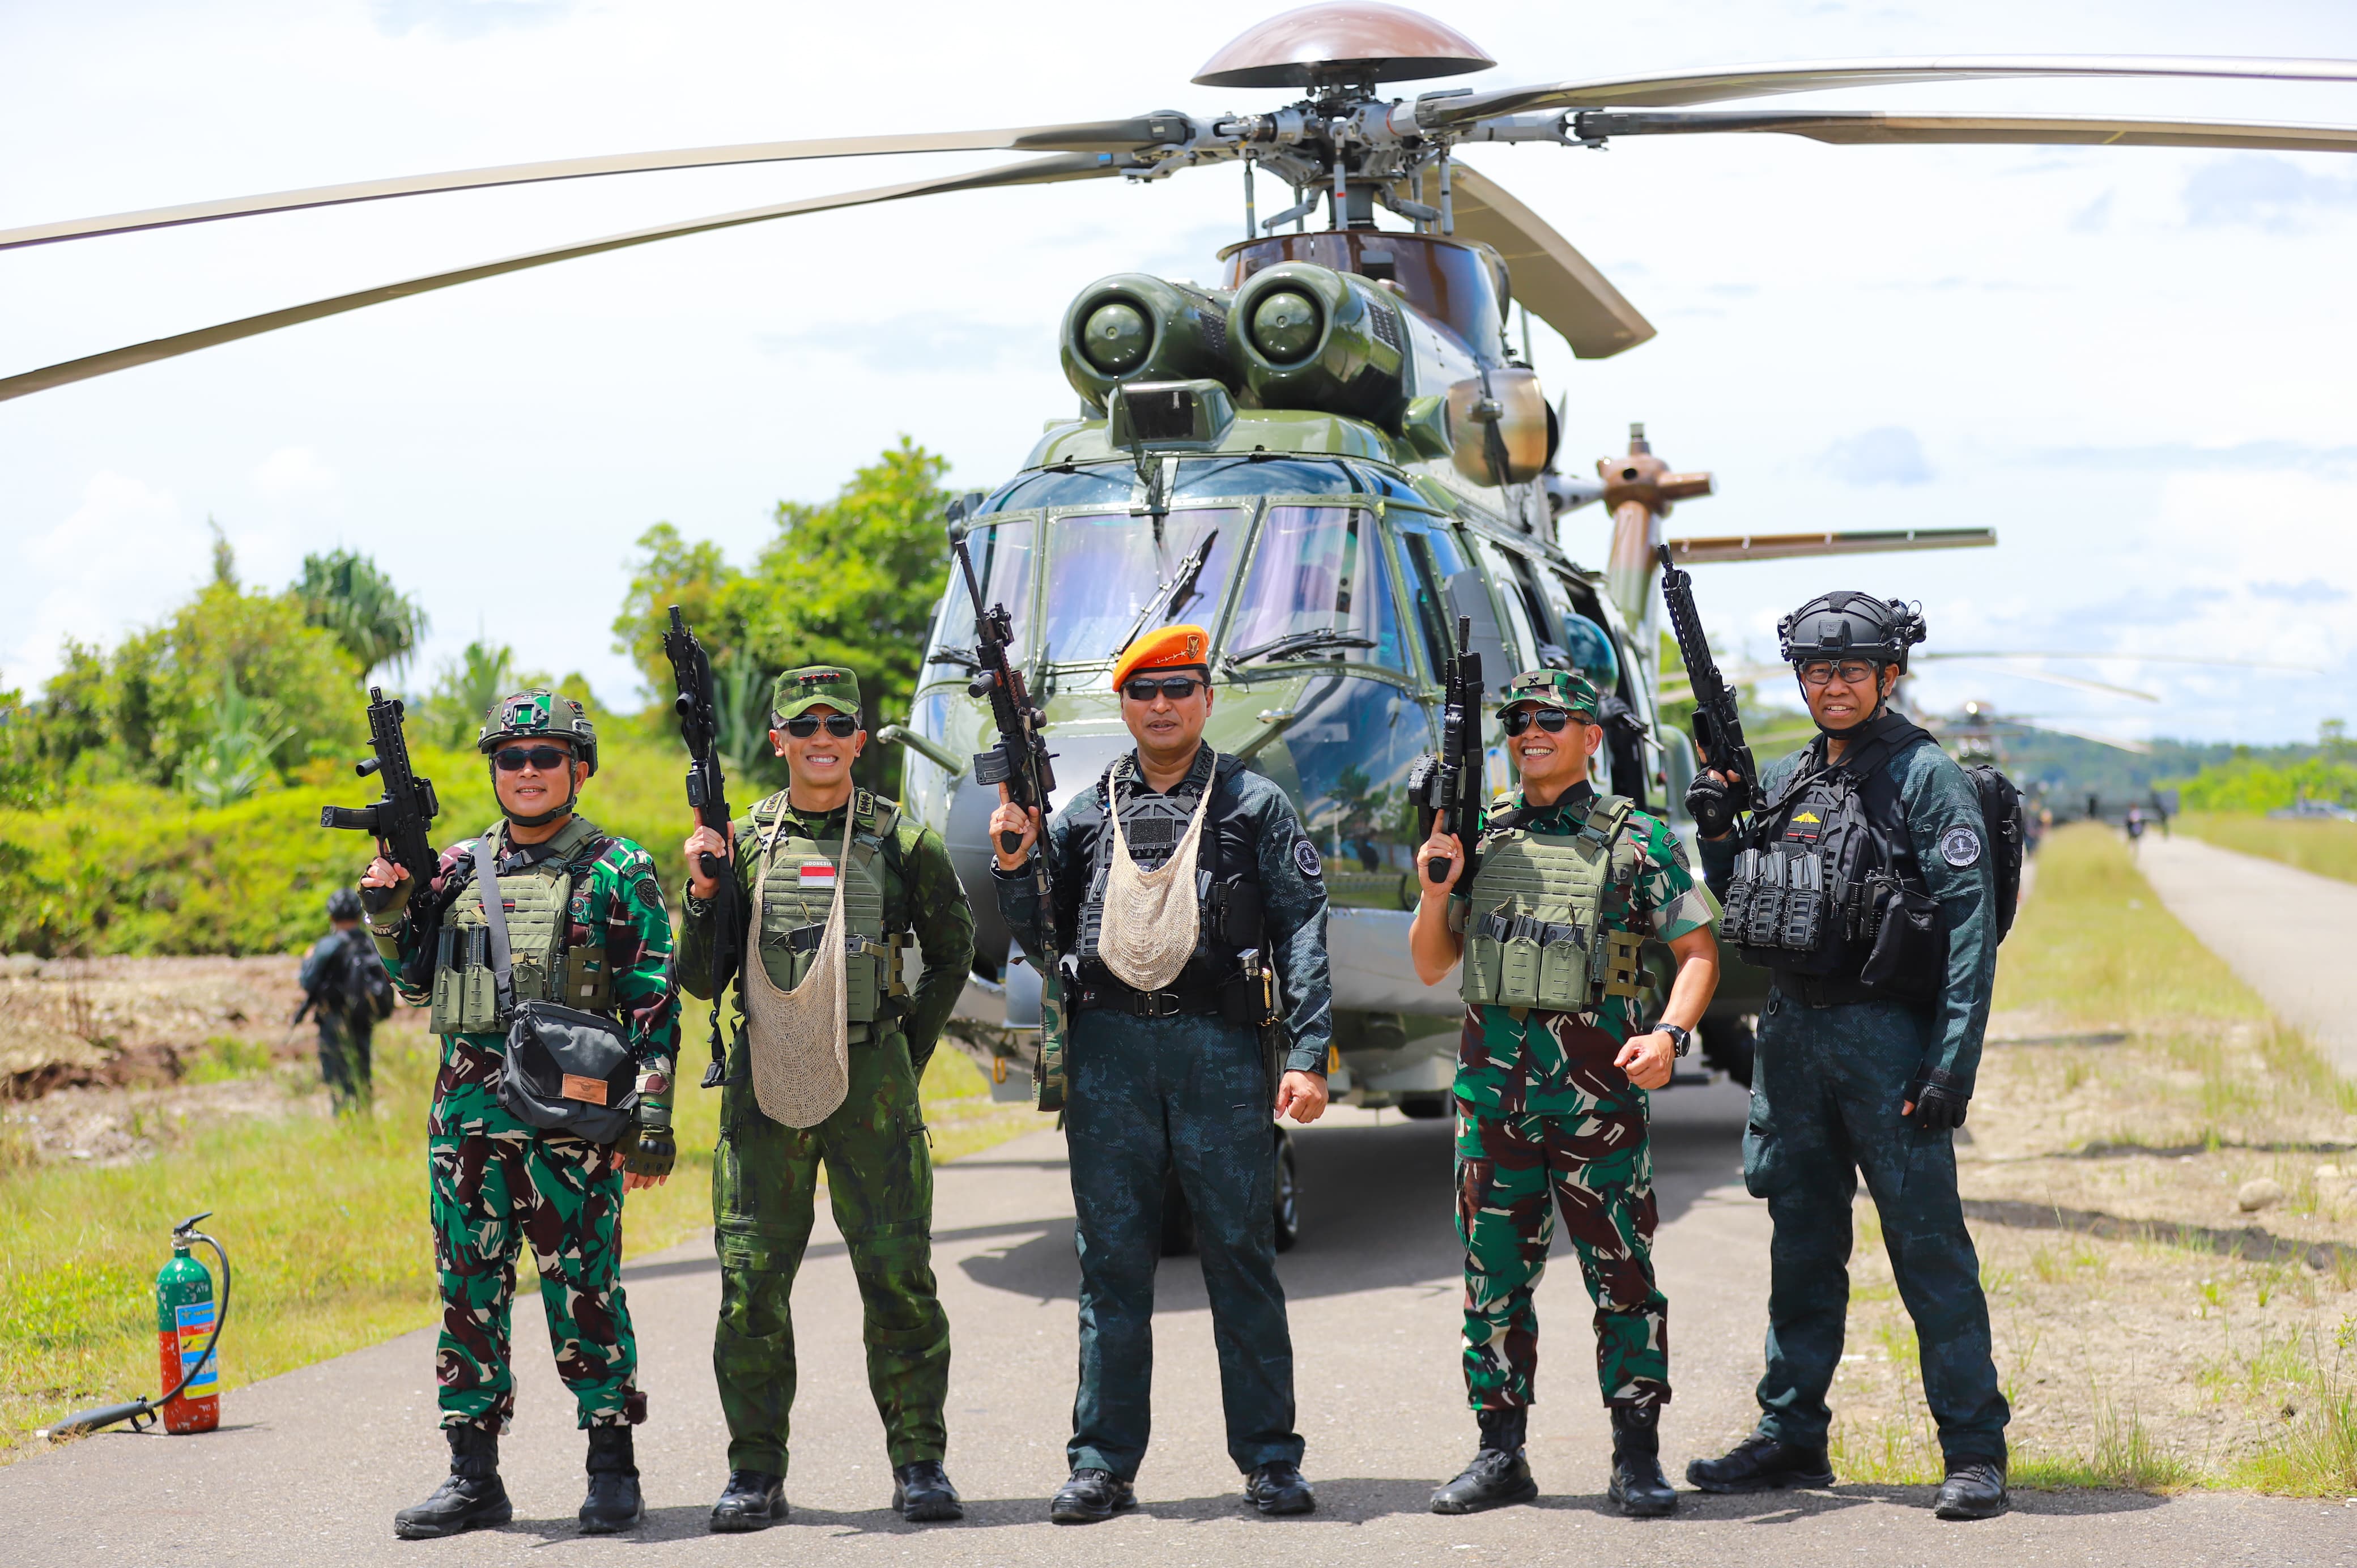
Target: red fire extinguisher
(188,1324)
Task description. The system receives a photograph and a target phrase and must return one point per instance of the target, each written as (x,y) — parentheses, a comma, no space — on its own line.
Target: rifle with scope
(1020,762)
(707,795)
(1717,727)
(1450,787)
(401,819)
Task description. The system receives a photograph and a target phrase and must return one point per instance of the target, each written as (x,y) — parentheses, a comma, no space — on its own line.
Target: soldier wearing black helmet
(345,991)
(1864,885)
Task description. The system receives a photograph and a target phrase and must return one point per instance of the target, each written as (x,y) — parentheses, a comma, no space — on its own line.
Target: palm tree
(348,595)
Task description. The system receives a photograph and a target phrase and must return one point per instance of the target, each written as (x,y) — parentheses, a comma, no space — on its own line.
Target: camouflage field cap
(1564,689)
(799,691)
(535,714)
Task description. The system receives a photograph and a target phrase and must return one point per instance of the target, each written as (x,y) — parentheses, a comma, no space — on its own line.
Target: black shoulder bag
(566,1070)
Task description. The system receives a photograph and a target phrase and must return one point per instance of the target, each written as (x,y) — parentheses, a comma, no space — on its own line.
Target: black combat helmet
(343,904)
(1843,625)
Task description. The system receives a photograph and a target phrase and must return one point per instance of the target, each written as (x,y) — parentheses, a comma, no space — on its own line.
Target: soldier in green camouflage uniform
(880,1173)
(497,1181)
(1551,1100)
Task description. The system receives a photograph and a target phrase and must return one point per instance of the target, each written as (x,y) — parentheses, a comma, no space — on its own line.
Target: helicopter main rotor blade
(1558,284)
(1670,91)
(1036,171)
(1107,136)
(1868,127)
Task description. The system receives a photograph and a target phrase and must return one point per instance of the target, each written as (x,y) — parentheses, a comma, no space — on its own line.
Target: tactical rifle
(401,819)
(1452,789)
(1020,762)
(707,793)
(1717,727)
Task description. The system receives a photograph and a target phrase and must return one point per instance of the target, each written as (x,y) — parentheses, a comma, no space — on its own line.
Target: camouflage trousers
(344,1039)
(880,1180)
(1515,1173)
(1826,1088)
(498,1185)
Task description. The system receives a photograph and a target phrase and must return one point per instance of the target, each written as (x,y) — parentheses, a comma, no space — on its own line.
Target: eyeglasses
(1851,672)
(1177,688)
(843,726)
(1514,721)
(516,759)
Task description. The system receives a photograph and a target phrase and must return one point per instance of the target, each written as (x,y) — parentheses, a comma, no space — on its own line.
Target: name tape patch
(1960,846)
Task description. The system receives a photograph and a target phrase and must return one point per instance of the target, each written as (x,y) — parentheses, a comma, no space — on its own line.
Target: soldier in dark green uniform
(586,927)
(1864,885)
(346,992)
(897,882)
(1552,1074)
(1168,989)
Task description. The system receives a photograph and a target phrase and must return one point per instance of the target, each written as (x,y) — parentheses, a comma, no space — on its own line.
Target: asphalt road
(2288,933)
(310,1466)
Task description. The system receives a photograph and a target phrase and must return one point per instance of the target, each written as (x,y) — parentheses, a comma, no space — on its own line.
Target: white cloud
(294,472)
(122,555)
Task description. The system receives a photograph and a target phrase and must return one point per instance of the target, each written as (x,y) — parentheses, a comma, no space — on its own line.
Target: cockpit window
(1104,567)
(1104,484)
(1319,586)
(1204,477)
(1002,562)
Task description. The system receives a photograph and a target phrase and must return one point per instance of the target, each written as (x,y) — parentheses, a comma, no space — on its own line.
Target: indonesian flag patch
(817,873)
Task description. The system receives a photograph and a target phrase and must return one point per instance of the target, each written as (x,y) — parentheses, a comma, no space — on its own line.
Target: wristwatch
(1681,1039)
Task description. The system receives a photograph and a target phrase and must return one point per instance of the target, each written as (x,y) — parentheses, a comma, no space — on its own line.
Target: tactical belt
(1101,988)
(1832,990)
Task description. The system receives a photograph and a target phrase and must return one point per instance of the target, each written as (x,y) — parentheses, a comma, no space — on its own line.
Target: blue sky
(2134,363)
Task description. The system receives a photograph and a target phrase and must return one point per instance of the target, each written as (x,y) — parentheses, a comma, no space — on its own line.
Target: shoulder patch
(1305,859)
(1960,846)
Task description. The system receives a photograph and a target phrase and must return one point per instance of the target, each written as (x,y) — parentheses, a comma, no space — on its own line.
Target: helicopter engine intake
(1135,327)
(1307,337)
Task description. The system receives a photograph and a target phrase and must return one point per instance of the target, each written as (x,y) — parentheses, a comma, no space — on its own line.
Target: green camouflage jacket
(921,893)
(619,903)
(1548,1061)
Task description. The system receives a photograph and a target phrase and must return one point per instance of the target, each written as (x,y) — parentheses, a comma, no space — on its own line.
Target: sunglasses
(1514,721)
(801,726)
(516,759)
(1849,672)
(1177,688)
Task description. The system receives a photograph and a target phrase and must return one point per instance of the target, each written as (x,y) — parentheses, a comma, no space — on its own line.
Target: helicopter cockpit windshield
(1106,568)
(1320,588)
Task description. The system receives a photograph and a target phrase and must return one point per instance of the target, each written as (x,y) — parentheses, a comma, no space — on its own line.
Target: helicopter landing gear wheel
(1424,1107)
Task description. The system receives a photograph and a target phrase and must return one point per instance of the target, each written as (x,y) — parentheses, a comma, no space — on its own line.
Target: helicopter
(1328,457)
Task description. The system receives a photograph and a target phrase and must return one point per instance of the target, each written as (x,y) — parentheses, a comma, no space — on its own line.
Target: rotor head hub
(1344,41)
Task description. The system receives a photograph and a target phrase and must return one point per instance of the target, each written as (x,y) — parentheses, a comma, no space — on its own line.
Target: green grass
(325,1222)
(2122,1458)
(2326,848)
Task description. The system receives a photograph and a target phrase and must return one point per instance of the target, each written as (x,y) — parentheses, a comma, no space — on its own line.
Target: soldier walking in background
(346,991)
(790,853)
(587,927)
(1867,1046)
(1180,877)
(1552,1073)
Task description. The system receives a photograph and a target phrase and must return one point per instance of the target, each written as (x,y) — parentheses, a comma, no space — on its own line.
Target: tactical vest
(1227,877)
(798,874)
(542,901)
(1534,923)
(1827,893)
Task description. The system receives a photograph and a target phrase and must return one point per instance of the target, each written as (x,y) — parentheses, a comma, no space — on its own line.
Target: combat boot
(753,1499)
(472,1497)
(1090,1495)
(1498,1474)
(921,1492)
(613,1504)
(1761,1464)
(1975,1490)
(1638,1484)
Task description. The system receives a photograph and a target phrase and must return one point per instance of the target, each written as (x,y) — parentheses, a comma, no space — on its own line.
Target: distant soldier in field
(1553,1067)
(587,927)
(789,855)
(346,991)
(1870,869)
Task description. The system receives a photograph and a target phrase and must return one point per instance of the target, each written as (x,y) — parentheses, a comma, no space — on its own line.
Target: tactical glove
(647,1147)
(1712,806)
(384,902)
(1940,1100)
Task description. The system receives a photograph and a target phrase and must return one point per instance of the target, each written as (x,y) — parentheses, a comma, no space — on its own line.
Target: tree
(465,689)
(348,597)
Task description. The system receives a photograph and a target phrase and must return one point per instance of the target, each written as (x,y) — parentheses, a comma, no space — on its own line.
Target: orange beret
(1164,646)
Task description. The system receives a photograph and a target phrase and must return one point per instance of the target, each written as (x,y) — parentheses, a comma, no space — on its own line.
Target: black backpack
(2001,814)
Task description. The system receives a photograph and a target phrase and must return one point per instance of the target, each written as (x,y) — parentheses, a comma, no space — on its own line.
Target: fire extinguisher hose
(141,1413)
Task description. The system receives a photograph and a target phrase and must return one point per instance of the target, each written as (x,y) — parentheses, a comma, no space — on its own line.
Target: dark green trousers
(1151,1096)
(1825,1094)
(879,1177)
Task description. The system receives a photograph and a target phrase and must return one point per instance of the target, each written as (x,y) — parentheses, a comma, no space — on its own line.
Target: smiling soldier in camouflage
(1551,1071)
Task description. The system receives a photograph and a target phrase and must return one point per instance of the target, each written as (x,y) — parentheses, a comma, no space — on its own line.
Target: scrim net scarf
(1150,917)
(799,1040)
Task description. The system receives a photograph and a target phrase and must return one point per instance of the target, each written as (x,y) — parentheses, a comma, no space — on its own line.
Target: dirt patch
(117,1023)
(111,1126)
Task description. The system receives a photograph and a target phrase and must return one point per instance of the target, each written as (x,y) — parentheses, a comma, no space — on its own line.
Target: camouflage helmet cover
(540,712)
(1566,689)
